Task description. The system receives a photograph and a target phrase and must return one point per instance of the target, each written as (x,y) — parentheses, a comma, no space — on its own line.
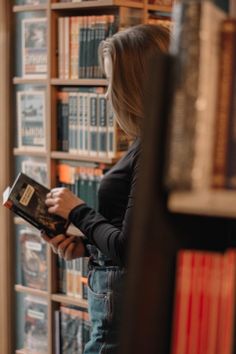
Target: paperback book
(26,198)
(35,326)
(33,259)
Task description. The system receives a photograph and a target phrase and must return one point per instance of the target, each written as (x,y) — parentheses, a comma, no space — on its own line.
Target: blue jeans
(105,297)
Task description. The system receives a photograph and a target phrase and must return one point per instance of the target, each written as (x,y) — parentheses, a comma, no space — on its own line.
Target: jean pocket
(97,285)
(100,299)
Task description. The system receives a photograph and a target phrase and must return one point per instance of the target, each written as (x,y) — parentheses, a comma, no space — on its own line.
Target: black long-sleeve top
(109,228)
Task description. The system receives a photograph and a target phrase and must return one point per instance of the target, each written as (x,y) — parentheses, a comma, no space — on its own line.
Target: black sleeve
(109,239)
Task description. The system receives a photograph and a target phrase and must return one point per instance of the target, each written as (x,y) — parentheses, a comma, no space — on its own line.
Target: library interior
(118,220)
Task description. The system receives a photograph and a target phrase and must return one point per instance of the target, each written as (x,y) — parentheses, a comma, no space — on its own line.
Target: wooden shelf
(96,4)
(79,82)
(31,152)
(24,8)
(221,203)
(69,300)
(160,8)
(25,81)
(58,155)
(24,289)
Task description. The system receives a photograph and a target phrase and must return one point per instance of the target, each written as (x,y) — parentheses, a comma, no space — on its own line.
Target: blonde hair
(130,52)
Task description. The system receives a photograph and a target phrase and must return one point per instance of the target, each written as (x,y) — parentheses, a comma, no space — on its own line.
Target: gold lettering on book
(25,199)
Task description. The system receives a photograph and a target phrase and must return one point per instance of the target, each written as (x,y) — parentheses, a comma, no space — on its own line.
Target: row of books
(82,180)
(72,330)
(72,277)
(78,41)
(86,124)
(204,311)
(201,151)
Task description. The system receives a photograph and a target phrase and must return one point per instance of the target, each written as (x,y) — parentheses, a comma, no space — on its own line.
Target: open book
(26,198)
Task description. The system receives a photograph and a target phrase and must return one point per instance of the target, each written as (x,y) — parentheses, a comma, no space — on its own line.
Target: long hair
(130,52)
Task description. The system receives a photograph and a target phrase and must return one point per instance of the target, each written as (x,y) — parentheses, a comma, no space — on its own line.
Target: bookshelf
(170,220)
(126,13)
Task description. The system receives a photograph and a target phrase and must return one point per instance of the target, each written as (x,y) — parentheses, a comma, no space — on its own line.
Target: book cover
(35,169)
(35,326)
(34,47)
(31,120)
(33,259)
(71,330)
(26,198)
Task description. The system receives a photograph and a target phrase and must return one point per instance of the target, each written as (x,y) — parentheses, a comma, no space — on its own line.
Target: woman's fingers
(75,249)
(66,246)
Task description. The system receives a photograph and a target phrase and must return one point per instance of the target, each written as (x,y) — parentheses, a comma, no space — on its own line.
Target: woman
(125,59)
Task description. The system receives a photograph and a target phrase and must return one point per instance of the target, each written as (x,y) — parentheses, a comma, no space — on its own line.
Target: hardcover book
(33,259)
(31,119)
(35,326)
(26,198)
(34,47)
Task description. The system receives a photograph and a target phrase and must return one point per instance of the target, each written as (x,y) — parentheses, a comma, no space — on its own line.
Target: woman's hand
(66,246)
(61,201)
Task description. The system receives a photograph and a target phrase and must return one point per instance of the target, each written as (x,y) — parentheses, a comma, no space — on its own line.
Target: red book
(182,301)
(227,305)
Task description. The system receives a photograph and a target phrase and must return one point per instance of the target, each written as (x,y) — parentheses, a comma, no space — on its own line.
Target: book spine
(86,113)
(65,122)
(111,132)
(231,155)
(227,59)
(67,44)
(211,19)
(60,47)
(69,278)
(182,300)
(93,126)
(78,274)
(81,121)
(185,47)
(226,305)
(57,318)
(102,126)
(72,121)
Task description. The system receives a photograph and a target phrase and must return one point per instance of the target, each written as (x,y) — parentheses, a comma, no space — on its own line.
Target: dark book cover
(26,198)
(71,329)
(35,325)
(33,261)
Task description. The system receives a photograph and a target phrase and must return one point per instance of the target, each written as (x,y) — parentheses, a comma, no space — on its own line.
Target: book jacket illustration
(35,326)
(34,47)
(27,199)
(33,259)
(31,119)
(35,169)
